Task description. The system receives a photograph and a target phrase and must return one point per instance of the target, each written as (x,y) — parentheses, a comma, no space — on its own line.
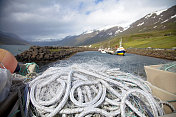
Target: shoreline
(43,55)
(48,54)
(168,54)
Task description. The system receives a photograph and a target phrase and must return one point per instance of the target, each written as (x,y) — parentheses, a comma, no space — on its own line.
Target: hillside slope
(156,21)
(11,39)
(91,37)
(103,35)
(156,30)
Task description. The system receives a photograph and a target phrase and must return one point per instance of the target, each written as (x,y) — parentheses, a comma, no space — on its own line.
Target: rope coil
(77,91)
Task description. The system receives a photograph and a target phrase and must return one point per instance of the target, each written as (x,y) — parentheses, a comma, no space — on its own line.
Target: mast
(121,42)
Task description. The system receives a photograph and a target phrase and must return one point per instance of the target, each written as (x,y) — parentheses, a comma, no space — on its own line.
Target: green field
(154,39)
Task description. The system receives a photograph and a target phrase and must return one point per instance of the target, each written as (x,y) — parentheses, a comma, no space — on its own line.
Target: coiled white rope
(79,92)
(148,97)
(92,101)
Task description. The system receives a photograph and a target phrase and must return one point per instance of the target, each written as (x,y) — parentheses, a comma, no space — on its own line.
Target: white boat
(103,51)
(109,51)
(99,49)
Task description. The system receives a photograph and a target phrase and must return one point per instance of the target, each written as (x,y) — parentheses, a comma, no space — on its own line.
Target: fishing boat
(120,50)
(103,51)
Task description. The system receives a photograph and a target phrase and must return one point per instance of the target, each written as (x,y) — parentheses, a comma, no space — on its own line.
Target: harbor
(106,79)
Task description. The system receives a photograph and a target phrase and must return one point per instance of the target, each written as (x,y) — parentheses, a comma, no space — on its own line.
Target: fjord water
(130,63)
(15,49)
(95,60)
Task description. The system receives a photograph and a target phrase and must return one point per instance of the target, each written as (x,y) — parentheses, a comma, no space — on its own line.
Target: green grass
(154,42)
(55,50)
(154,39)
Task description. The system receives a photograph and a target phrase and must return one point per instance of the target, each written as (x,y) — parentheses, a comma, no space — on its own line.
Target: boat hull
(121,53)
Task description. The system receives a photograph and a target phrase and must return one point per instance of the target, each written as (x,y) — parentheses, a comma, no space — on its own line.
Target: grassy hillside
(154,39)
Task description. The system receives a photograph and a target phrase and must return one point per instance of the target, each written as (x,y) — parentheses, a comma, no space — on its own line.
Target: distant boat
(120,50)
(103,51)
(99,49)
(109,51)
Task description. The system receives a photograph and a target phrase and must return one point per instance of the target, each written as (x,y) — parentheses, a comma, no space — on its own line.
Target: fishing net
(171,67)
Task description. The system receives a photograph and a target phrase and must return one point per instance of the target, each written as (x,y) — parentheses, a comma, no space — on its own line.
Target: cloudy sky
(55,19)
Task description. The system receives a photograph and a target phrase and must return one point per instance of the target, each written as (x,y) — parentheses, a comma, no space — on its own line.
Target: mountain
(103,35)
(159,20)
(11,39)
(156,21)
(44,43)
(155,30)
(91,37)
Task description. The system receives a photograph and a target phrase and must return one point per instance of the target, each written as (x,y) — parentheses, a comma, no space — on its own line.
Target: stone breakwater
(47,54)
(158,53)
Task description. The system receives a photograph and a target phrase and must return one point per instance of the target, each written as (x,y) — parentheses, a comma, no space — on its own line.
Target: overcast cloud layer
(46,19)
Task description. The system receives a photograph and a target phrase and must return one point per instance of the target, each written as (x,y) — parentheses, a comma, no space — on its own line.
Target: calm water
(15,49)
(130,63)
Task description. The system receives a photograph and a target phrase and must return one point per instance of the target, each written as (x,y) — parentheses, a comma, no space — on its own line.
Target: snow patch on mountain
(165,21)
(87,32)
(110,33)
(106,27)
(149,15)
(125,28)
(173,16)
(168,19)
(156,12)
(140,24)
(159,12)
(154,26)
(118,31)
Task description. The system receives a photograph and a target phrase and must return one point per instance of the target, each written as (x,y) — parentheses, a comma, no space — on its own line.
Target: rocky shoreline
(47,54)
(158,53)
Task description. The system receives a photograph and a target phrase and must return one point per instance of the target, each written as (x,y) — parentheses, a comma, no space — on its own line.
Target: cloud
(45,19)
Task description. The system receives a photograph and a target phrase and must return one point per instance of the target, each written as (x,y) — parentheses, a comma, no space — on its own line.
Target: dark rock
(158,53)
(45,55)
